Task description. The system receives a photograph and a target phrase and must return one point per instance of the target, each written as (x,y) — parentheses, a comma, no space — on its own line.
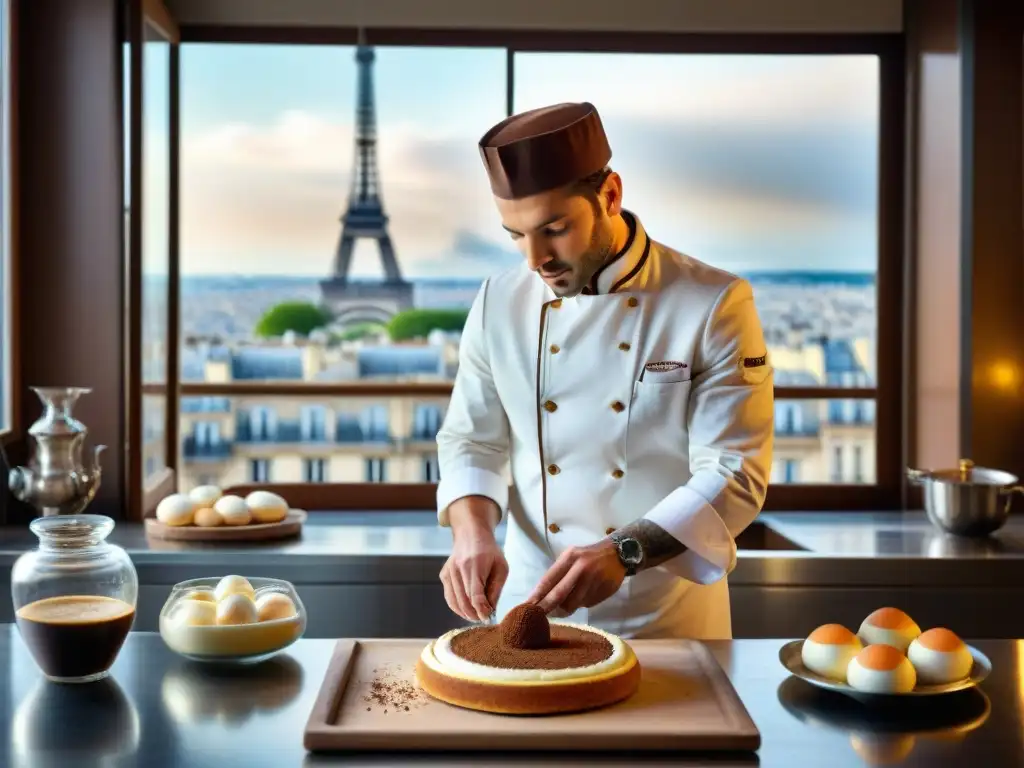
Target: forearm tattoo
(658,544)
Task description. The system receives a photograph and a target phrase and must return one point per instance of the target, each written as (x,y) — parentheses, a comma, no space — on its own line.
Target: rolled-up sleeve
(473,442)
(731,427)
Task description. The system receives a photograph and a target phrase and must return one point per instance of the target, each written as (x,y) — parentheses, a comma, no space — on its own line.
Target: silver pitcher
(967,501)
(56,481)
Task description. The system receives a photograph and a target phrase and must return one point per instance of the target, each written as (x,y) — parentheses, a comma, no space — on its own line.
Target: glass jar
(74,597)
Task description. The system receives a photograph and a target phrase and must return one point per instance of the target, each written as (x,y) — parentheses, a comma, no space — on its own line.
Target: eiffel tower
(364,218)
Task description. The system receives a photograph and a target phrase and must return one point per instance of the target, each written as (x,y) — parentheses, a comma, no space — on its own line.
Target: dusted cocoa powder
(568,647)
(392,692)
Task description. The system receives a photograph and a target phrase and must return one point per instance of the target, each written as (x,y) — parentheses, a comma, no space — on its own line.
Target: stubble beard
(598,253)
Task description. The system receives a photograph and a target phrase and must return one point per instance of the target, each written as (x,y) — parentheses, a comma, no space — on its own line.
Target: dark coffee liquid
(75,635)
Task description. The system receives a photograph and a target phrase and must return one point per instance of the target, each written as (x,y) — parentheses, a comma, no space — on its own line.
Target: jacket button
(550,406)
(618,407)
(554,528)
(624,346)
(556,303)
(632,301)
(617,473)
(609,530)
(555,349)
(553,469)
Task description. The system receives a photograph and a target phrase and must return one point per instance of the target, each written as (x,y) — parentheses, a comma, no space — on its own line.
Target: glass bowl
(230,643)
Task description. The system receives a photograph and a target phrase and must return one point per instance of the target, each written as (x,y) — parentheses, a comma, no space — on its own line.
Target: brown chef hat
(544,149)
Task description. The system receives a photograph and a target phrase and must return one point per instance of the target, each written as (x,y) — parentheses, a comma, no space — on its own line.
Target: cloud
(269,197)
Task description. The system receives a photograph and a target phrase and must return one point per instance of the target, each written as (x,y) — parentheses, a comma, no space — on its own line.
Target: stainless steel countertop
(402,547)
(160,711)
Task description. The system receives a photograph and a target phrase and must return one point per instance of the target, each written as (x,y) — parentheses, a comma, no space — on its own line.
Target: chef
(613,403)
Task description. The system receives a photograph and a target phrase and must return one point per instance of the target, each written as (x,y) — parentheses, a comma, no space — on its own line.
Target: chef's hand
(580,578)
(476,571)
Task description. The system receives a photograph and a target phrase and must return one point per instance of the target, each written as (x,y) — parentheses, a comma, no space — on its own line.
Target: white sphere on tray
(205,495)
(266,507)
(176,509)
(233,510)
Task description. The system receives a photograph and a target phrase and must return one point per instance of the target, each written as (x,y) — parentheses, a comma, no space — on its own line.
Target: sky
(746,162)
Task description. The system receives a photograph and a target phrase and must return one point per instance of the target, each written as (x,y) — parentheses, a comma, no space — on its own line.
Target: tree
(418,323)
(299,316)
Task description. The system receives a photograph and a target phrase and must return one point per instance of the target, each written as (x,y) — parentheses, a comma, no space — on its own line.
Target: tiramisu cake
(528,666)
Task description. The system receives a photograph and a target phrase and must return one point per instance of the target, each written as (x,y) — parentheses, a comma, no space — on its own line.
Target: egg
(266,507)
(828,649)
(176,509)
(207,517)
(940,657)
(234,585)
(890,626)
(233,510)
(195,613)
(274,605)
(236,609)
(207,595)
(881,668)
(205,495)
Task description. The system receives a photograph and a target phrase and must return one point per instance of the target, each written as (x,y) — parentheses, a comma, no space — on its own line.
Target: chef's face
(565,235)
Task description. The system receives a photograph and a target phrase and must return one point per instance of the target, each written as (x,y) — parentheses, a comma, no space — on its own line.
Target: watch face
(631,551)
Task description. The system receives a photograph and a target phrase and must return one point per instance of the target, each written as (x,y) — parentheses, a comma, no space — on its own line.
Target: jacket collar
(625,267)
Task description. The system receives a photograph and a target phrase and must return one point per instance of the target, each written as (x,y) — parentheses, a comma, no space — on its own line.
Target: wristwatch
(631,553)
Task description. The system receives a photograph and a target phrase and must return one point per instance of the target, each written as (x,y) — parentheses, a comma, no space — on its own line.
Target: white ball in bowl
(233,510)
(236,609)
(176,509)
(266,507)
(274,605)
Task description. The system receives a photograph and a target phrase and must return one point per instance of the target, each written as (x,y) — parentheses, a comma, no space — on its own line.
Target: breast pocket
(658,417)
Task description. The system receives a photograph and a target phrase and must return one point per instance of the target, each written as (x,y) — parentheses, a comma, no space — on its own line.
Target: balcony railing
(198,451)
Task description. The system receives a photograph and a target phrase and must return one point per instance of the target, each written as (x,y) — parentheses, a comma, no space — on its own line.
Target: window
(6,337)
(767,165)
(315,470)
(156,255)
(376,470)
(259,470)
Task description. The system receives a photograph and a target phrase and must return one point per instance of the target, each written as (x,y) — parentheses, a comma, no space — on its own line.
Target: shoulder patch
(755,362)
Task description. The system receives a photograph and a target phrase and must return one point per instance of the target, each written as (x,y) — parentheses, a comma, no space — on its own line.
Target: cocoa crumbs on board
(390,690)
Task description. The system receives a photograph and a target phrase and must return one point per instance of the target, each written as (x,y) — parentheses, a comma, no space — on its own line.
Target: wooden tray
(685,702)
(290,526)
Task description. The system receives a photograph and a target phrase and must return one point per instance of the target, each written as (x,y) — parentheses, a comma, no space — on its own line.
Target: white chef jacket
(652,397)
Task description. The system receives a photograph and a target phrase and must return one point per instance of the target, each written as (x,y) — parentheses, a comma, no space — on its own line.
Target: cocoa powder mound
(568,647)
(526,626)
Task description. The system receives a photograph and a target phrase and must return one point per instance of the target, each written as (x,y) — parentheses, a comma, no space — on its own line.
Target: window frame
(890,489)
(10,368)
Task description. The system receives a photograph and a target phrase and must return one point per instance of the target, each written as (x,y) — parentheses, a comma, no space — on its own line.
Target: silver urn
(56,480)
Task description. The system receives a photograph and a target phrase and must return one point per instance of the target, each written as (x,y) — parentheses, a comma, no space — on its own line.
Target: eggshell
(236,609)
(940,657)
(274,605)
(205,495)
(176,509)
(266,507)
(234,585)
(890,626)
(828,649)
(195,613)
(207,517)
(233,510)
(881,668)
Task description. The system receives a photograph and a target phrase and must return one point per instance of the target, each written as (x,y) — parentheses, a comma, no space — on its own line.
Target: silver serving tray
(789,655)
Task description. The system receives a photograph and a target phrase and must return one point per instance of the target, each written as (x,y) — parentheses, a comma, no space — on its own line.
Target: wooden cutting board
(685,702)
